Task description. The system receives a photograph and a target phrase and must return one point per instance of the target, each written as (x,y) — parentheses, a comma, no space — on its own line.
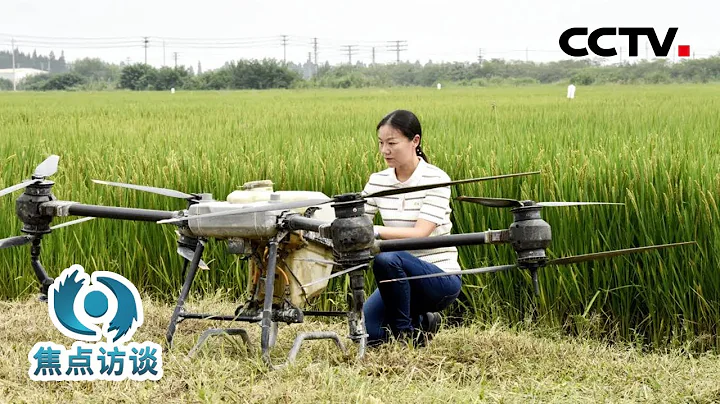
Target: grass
(475,363)
(650,147)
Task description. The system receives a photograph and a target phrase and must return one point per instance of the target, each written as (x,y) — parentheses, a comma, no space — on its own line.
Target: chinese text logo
(79,302)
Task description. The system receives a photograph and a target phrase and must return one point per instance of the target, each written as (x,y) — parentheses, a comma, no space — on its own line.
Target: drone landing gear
(267,338)
(178,314)
(223,331)
(315,335)
(40,273)
(270,314)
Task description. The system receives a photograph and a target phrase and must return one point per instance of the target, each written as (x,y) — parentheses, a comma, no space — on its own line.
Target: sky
(217,31)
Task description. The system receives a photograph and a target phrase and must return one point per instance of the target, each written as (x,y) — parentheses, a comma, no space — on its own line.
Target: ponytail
(419,152)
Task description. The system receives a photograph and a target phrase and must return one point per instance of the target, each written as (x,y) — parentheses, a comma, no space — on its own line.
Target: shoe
(431,323)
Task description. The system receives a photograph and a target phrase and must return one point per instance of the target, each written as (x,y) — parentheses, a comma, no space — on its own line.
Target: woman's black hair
(407,123)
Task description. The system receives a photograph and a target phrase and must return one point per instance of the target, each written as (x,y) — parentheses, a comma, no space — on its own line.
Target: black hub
(352,233)
(27,208)
(530,235)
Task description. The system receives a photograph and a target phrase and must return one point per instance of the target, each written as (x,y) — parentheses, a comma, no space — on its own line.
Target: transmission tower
(398,47)
(350,51)
(284,44)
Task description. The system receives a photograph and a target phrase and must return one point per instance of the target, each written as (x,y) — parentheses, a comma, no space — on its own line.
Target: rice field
(654,148)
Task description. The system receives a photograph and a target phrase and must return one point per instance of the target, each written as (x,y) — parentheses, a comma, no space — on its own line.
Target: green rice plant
(653,148)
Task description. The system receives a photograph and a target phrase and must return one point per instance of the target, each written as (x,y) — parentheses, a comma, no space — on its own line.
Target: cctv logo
(77,303)
(659,49)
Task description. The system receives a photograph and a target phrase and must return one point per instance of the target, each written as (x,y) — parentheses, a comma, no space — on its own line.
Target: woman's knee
(385,261)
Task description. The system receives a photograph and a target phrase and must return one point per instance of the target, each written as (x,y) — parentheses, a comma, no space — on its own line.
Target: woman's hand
(423,228)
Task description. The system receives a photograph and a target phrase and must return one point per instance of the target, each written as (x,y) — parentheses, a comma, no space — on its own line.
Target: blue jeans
(400,305)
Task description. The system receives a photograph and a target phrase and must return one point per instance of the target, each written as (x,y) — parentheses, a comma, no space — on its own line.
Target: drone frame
(351,235)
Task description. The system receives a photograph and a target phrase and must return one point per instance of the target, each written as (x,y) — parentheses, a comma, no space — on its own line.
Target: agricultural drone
(294,241)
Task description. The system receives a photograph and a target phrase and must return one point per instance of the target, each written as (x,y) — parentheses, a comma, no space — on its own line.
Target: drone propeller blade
(47,167)
(252,209)
(608,254)
(44,169)
(16,187)
(72,222)
(15,241)
(555,204)
(160,191)
(335,275)
(405,190)
(22,240)
(510,203)
(491,202)
(484,270)
(188,254)
(315,202)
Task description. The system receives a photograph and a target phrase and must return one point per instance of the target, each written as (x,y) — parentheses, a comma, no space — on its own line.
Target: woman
(408,308)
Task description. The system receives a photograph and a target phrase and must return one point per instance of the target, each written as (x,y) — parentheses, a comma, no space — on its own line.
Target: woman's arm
(423,228)
(432,214)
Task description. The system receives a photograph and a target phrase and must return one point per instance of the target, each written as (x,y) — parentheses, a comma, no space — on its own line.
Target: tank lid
(257,184)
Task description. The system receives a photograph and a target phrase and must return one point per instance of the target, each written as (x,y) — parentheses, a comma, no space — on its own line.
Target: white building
(19,73)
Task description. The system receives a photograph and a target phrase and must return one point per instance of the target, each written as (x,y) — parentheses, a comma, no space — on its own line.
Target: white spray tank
(291,271)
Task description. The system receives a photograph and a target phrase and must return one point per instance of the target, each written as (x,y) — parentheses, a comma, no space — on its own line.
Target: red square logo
(684,51)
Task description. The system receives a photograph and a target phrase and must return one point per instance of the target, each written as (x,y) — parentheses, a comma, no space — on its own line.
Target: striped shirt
(405,209)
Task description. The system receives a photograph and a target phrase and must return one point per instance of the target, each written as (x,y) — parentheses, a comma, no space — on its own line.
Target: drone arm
(486,237)
(66,208)
(298,222)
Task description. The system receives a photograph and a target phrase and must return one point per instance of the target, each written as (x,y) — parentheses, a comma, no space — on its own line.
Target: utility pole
(199,70)
(175,55)
(373,56)
(12,42)
(480,58)
(350,53)
(399,46)
(646,50)
(315,49)
(145,44)
(526,54)
(284,44)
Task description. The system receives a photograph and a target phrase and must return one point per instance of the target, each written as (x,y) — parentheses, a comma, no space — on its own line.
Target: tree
(63,81)
(137,77)
(5,85)
(96,70)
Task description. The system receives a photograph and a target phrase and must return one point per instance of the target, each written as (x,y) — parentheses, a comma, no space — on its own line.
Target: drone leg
(536,283)
(356,319)
(220,331)
(184,292)
(40,273)
(267,304)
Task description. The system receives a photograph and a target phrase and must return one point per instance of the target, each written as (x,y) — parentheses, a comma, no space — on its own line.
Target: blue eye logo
(87,308)
(78,302)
